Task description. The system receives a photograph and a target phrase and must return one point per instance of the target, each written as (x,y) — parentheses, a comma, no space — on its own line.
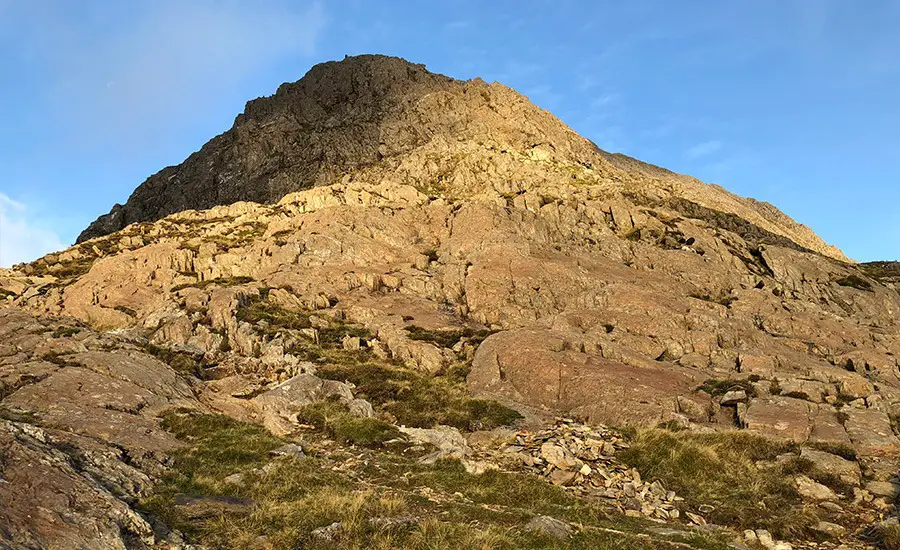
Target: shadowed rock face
(339,117)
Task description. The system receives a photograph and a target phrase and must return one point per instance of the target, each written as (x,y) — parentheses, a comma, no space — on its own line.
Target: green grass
(406,396)
(842,450)
(334,418)
(291,497)
(448,338)
(717,388)
(719,469)
(889,537)
(185,363)
(418,399)
(63,332)
(221,281)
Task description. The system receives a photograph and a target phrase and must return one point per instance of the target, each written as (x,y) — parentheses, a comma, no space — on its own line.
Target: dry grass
(889,537)
(292,497)
(720,469)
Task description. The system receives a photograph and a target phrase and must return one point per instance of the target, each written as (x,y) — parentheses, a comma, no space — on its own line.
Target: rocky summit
(396,309)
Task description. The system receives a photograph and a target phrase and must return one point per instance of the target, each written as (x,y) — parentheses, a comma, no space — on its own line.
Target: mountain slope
(398,352)
(386,119)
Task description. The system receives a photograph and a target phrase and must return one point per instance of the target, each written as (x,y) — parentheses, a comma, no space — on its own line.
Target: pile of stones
(581,459)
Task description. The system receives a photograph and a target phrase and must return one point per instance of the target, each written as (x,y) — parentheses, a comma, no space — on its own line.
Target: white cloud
(703,149)
(22,238)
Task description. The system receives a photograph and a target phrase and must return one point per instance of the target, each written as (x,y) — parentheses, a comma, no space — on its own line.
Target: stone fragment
(812,490)
(550,526)
(448,440)
(562,477)
(886,489)
(733,397)
(328,533)
(871,433)
(290,449)
(558,456)
(829,529)
(351,343)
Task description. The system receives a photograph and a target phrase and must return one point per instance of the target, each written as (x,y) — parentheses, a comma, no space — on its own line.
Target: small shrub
(448,338)
(62,332)
(221,281)
(717,388)
(775,387)
(842,417)
(888,537)
(18,415)
(431,254)
(126,310)
(797,395)
(634,235)
(276,318)
(179,361)
(55,358)
(723,298)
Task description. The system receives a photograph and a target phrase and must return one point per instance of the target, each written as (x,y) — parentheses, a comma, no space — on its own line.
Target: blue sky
(796,102)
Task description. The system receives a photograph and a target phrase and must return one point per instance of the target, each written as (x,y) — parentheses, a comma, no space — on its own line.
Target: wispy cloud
(158,60)
(703,149)
(604,101)
(22,238)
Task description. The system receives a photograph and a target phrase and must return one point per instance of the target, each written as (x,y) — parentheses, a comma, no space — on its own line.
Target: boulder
(550,526)
(871,433)
(447,439)
(847,470)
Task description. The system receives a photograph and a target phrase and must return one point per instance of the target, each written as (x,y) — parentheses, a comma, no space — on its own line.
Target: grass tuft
(720,469)
(334,418)
(417,399)
(448,338)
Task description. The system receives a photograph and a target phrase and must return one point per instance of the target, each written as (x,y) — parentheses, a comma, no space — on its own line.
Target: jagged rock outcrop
(80,442)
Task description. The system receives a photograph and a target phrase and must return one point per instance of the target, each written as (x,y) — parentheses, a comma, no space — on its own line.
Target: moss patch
(448,338)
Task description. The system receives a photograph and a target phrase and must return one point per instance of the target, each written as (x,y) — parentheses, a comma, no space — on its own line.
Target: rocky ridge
(385,120)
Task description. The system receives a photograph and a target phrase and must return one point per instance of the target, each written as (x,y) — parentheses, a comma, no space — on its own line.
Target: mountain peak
(380,119)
